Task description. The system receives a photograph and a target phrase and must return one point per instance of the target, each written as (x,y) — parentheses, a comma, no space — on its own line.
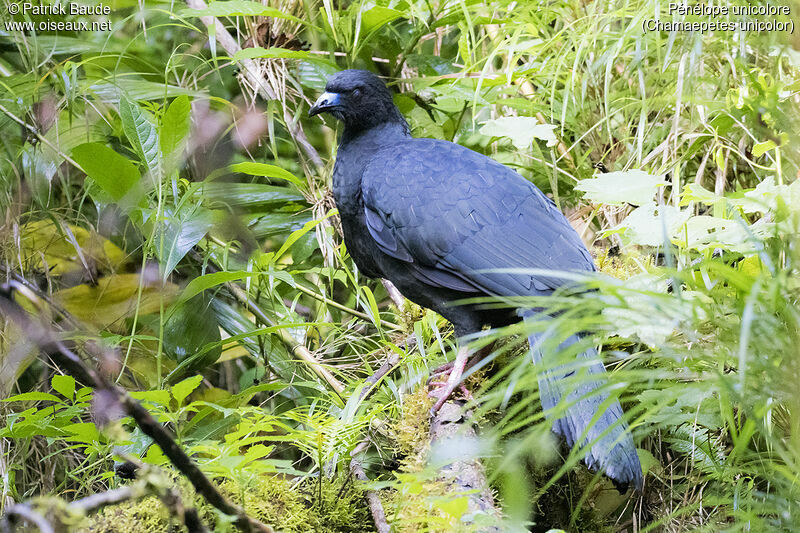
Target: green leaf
(279,53)
(160,397)
(455,507)
(693,192)
(267,171)
(646,225)
(308,226)
(240,8)
(373,18)
(64,385)
(142,134)
(113,173)
(34,396)
(614,188)
(191,334)
(115,297)
(201,283)
(183,389)
(175,125)
(181,232)
(521,130)
(248,195)
(373,306)
(83,432)
(135,89)
(762,148)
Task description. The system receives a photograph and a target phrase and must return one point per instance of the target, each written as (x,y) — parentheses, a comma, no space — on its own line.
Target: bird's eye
(356,92)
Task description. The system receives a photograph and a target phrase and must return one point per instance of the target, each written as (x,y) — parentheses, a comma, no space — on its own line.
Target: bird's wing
(458,217)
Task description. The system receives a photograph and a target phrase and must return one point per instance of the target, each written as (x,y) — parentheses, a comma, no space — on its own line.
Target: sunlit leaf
(115,298)
(67,248)
(184,388)
(232,8)
(631,186)
(64,385)
(521,130)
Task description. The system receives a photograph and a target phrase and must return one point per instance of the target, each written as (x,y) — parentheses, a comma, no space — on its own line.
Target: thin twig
(390,364)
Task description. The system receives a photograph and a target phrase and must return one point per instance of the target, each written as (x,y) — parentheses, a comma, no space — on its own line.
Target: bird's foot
(440,371)
(443,390)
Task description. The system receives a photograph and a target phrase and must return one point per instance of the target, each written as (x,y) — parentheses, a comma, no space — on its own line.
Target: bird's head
(359,99)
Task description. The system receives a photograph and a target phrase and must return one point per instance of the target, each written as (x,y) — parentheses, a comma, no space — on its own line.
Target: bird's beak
(324,103)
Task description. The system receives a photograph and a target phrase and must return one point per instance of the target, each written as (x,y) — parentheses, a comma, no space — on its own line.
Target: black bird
(441,221)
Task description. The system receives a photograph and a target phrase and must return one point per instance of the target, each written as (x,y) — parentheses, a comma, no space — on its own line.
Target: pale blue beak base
(325,102)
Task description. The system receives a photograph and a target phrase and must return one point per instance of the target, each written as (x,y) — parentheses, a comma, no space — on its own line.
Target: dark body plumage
(439,221)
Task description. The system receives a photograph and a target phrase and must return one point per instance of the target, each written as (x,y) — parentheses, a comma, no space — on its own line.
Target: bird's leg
(439,370)
(453,380)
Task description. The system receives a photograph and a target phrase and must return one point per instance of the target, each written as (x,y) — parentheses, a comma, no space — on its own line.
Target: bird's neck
(388,131)
(356,148)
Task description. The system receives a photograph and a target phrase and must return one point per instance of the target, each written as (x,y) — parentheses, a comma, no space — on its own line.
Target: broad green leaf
(34,396)
(693,192)
(280,53)
(183,389)
(134,89)
(268,171)
(763,198)
(64,385)
(521,130)
(454,507)
(248,195)
(41,161)
(651,225)
(142,134)
(614,188)
(191,334)
(201,283)
(761,148)
(269,225)
(375,17)
(160,397)
(240,8)
(113,173)
(180,232)
(704,232)
(85,432)
(175,125)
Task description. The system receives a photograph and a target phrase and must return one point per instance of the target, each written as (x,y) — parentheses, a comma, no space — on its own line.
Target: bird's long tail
(592,417)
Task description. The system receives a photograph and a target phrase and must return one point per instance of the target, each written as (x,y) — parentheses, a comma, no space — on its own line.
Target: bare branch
(50,345)
(373,500)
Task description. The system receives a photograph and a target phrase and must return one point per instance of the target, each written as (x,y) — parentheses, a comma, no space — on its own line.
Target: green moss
(276,501)
(409,315)
(622,266)
(418,502)
(147,515)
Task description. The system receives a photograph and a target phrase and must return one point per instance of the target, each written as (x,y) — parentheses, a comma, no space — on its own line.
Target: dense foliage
(166,209)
